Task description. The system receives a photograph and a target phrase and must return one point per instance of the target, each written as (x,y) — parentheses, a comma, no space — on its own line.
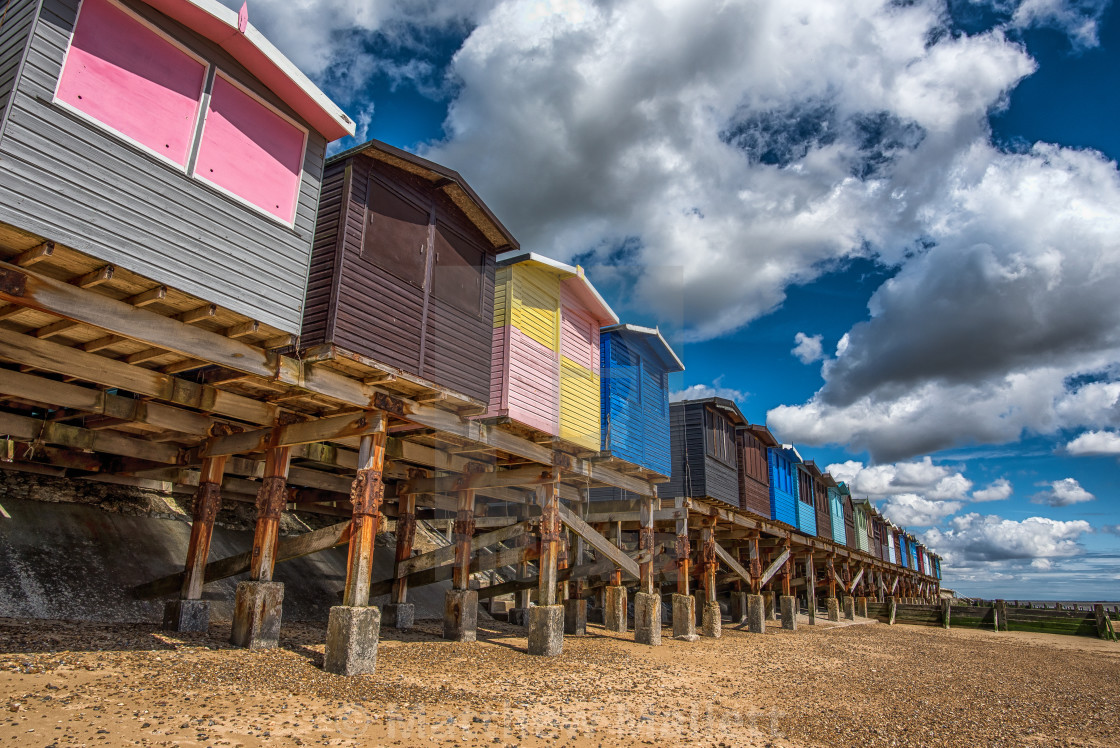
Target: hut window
(396,234)
(251,151)
(721,438)
(132,79)
(458,271)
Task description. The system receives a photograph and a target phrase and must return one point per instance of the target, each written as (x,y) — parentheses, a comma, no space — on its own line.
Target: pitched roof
(588,295)
(654,340)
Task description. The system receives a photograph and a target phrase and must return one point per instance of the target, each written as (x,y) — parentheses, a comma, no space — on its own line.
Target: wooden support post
(548,497)
(811,587)
(464,532)
(832,577)
(366,495)
(683,550)
(406,536)
(616,575)
(207,502)
(526,543)
(645,544)
(708,557)
(579,556)
(756,564)
(271,498)
(787,570)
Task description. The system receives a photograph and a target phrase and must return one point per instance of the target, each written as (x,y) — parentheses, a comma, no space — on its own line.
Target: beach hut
(900,547)
(402,277)
(752,441)
(820,500)
(835,509)
(702,437)
(861,511)
(806,507)
(163,141)
(912,545)
(891,543)
(636,364)
(546,352)
(849,516)
(785,492)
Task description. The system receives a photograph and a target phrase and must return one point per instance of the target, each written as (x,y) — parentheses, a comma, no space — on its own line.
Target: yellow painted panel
(535,304)
(501,296)
(579,405)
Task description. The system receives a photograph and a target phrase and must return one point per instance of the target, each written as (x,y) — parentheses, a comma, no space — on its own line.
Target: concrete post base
(861,607)
(500,608)
(850,608)
(575,617)
(546,630)
(352,636)
(833,606)
(186,616)
(789,612)
(738,607)
(647,619)
(518,616)
(399,615)
(614,613)
(684,618)
(756,614)
(460,615)
(257,610)
(713,624)
(768,602)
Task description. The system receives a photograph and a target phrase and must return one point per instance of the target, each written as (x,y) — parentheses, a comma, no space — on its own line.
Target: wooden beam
(548,498)
(775,566)
(732,564)
(242,329)
(366,497)
(36,254)
(95,277)
(198,314)
(50,432)
(598,542)
(207,503)
(304,432)
(288,548)
(446,554)
(683,550)
(517,477)
(859,576)
(405,537)
(29,289)
(645,543)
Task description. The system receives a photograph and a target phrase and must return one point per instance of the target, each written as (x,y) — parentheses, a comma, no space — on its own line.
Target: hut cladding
(193,296)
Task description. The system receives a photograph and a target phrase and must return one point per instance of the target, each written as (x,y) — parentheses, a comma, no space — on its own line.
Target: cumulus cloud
(808,348)
(997,490)
(922,478)
(911,510)
(1064,492)
(1095,443)
(972,538)
(701,391)
(1078,18)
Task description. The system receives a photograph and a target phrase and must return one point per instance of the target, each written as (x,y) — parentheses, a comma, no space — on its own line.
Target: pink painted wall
(251,151)
(534,383)
(579,331)
(128,77)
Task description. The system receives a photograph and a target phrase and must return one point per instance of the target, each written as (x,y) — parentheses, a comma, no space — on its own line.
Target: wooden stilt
(787,570)
(548,497)
(832,576)
(708,557)
(811,586)
(406,536)
(207,502)
(683,548)
(526,543)
(366,495)
(616,575)
(464,533)
(271,498)
(579,555)
(756,564)
(645,544)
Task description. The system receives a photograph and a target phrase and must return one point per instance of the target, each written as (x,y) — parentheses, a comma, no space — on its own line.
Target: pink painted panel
(251,151)
(534,383)
(126,76)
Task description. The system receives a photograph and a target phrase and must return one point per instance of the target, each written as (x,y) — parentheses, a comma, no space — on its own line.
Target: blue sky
(891,230)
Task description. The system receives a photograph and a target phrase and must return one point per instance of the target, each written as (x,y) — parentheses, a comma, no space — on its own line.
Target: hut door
(396,236)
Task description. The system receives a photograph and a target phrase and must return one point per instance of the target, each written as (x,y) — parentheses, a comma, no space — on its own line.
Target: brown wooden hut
(751,442)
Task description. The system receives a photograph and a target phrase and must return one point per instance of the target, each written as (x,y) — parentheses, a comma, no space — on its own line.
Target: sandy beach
(67,683)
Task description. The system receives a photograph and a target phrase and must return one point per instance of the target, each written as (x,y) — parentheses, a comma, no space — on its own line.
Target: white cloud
(911,510)
(701,391)
(973,538)
(1078,18)
(1095,443)
(922,478)
(808,348)
(997,490)
(1062,492)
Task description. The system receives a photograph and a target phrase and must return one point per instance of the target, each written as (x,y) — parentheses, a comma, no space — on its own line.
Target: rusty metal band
(271,497)
(708,554)
(366,493)
(406,529)
(645,538)
(464,525)
(684,548)
(207,502)
(756,568)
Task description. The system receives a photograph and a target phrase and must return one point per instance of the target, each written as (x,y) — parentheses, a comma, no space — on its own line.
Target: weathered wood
(207,503)
(406,535)
(446,555)
(22,428)
(646,543)
(305,432)
(598,542)
(708,556)
(549,500)
(683,551)
(528,476)
(732,564)
(271,498)
(858,577)
(366,496)
(288,548)
(775,566)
